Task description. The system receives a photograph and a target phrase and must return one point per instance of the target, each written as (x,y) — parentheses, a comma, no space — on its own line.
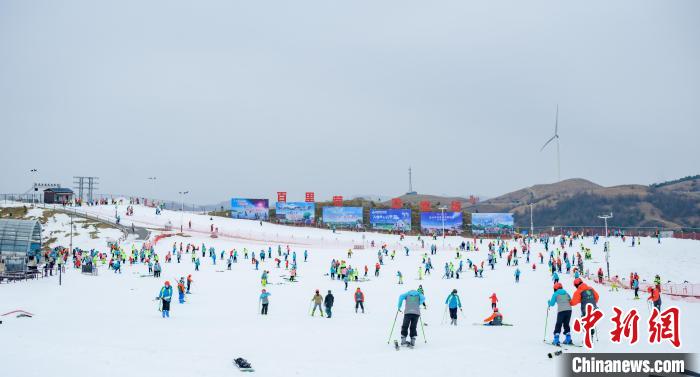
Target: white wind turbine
(556,136)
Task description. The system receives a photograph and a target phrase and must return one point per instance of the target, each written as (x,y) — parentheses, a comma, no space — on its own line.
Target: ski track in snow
(108,325)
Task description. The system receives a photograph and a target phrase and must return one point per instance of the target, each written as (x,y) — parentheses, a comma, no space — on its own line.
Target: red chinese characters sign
(456,206)
(310,197)
(281,196)
(338,201)
(396,203)
(425,206)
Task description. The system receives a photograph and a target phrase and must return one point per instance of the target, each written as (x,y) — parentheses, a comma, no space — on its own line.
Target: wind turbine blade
(548,141)
(556,123)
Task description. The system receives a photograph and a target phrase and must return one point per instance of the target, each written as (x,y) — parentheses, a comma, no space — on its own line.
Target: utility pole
(606,217)
(532,226)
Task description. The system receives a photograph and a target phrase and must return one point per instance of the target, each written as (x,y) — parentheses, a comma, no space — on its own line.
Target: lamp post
(607,248)
(34,173)
(182,208)
(153,179)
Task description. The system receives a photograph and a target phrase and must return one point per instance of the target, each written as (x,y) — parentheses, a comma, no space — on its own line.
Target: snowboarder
(453,303)
(563,301)
(411,316)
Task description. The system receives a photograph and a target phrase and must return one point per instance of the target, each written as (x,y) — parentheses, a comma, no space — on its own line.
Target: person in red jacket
(584,295)
(359,300)
(654,297)
(494,300)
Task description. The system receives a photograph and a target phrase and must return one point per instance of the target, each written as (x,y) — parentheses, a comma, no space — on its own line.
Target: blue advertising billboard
(390,219)
(492,223)
(252,209)
(295,212)
(343,216)
(432,222)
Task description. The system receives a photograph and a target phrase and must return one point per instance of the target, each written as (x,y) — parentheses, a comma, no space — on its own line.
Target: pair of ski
(563,347)
(398,346)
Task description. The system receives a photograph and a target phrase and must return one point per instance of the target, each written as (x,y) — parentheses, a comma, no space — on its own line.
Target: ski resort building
(20,244)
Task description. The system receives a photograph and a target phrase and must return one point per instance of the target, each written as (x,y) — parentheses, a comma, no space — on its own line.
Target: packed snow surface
(109,325)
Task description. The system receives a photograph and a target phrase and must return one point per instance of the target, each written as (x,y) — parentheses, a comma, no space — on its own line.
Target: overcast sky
(246,98)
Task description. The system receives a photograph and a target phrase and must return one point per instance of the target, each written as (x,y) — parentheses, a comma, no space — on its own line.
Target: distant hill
(578,202)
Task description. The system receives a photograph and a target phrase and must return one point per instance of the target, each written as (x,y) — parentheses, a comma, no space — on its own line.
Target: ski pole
(546,319)
(444,314)
(392,326)
(422,329)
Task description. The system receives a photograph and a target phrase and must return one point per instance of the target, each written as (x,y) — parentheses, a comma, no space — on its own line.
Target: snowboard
(504,324)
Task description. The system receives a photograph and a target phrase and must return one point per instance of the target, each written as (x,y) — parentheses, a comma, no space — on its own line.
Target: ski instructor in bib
(411,314)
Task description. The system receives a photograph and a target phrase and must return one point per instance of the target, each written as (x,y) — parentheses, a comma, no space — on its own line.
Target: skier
(654,297)
(317,300)
(453,303)
(494,300)
(165,295)
(328,303)
(189,283)
(517,274)
(563,301)
(181,290)
(413,299)
(359,300)
(265,301)
(496,319)
(398,273)
(584,295)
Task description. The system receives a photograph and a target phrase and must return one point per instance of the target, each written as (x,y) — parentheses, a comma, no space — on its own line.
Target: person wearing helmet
(165,295)
(359,300)
(584,295)
(265,301)
(654,297)
(181,290)
(496,319)
(414,300)
(317,300)
(563,301)
(453,303)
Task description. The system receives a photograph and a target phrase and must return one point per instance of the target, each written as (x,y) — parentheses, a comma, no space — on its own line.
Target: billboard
(252,209)
(432,222)
(343,216)
(295,212)
(492,223)
(390,219)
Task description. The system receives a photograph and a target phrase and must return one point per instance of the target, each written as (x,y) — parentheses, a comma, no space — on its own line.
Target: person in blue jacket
(555,276)
(165,295)
(453,303)
(517,275)
(414,300)
(562,299)
(265,301)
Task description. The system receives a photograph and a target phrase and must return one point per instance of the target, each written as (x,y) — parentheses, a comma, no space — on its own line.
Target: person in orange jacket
(494,300)
(189,283)
(496,319)
(654,297)
(584,295)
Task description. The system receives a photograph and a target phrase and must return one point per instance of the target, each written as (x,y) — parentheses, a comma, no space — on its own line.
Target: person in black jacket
(328,303)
